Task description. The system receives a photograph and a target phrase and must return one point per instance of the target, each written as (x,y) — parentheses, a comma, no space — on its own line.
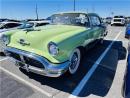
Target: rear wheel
(75,61)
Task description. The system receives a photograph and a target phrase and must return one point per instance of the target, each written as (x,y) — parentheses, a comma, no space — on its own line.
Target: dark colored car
(108,20)
(127,33)
(126,84)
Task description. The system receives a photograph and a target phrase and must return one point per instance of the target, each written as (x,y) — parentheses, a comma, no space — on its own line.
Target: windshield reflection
(78,19)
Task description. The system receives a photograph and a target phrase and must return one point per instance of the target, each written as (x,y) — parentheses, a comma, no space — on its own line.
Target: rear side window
(95,21)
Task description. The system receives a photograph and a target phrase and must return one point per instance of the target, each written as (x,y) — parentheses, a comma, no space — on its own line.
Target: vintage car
(54,49)
(6,26)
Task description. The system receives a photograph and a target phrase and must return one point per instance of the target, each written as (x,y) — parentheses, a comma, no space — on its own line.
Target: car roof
(5,22)
(119,16)
(44,21)
(76,12)
(69,12)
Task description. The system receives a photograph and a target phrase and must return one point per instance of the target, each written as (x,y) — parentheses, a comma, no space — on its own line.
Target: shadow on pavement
(100,82)
(102,79)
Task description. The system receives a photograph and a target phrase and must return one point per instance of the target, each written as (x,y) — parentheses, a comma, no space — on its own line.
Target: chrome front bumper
(49,69)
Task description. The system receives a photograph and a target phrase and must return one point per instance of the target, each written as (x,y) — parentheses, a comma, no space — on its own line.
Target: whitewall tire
(75,61)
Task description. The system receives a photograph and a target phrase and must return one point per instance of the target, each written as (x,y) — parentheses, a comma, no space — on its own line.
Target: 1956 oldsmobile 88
(56,48)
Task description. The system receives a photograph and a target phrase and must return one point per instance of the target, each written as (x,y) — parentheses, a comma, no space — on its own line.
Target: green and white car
(56,48)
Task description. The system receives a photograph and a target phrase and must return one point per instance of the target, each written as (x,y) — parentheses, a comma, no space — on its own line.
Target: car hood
(38,39)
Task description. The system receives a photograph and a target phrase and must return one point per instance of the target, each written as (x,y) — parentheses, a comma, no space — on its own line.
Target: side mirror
(103,25)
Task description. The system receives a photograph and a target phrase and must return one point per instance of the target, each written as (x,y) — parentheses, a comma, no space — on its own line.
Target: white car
(39,23)
(5,27)
(118,20)
(8,25)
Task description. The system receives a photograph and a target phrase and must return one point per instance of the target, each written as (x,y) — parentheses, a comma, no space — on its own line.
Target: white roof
(5,22)
(43,21)
(71,12)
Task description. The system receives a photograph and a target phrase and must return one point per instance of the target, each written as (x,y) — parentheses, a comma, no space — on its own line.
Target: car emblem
(23,42)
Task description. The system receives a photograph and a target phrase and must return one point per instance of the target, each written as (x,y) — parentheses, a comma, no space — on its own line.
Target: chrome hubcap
(74,61)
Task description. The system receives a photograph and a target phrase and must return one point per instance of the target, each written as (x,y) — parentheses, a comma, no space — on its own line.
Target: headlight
(53,48)
(5,39)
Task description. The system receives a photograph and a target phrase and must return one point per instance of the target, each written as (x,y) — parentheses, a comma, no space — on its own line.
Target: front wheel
(75,61)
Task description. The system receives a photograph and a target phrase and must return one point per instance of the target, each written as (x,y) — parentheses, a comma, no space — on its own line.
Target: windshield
(78,19)
(117,20)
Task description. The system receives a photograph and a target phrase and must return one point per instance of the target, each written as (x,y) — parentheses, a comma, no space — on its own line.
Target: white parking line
(4,59)
(83,82)
(26,82)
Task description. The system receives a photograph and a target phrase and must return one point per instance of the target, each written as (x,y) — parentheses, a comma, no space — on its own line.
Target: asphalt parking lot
(100,75)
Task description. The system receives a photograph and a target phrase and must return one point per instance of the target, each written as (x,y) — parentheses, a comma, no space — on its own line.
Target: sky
(25,9)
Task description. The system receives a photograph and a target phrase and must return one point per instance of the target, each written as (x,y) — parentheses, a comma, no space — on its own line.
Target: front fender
(67,46)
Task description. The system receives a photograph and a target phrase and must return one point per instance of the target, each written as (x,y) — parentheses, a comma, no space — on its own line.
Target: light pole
(74,5)
(36,12)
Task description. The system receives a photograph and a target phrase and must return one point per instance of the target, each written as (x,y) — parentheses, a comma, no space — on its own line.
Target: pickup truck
(55,49)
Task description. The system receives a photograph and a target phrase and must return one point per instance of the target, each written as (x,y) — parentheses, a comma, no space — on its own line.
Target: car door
(96,27)
(89,32)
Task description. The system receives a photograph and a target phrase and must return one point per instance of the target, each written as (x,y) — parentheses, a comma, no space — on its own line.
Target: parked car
(56,48)
(39,23)
(8,25)
(108,20)
(118,20)
(126,83)
(5,27)
(127,32)
(3,19)
(30,24)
